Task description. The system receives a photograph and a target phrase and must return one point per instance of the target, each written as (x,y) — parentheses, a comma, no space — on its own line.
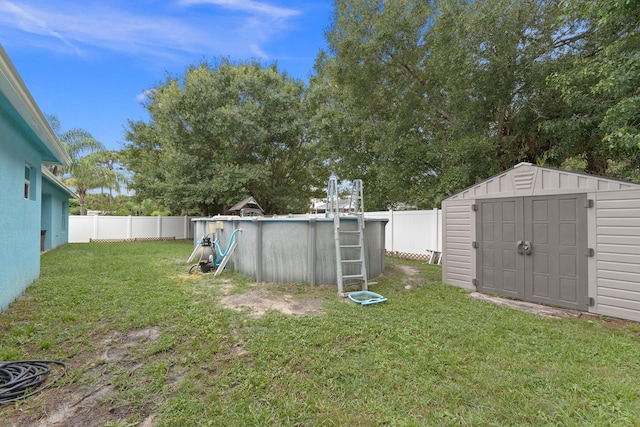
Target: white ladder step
(355,260)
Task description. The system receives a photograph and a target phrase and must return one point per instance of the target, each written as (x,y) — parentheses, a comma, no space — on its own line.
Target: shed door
(534,249)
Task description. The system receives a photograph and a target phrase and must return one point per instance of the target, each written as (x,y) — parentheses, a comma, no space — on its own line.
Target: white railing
(96,227)
(412,232)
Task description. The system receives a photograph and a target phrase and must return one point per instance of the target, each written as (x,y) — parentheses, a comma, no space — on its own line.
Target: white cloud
(144,95)
(248,6)
(29,22)
(126,28)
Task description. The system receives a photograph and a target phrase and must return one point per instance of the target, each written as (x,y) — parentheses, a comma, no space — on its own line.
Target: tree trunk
(596,165)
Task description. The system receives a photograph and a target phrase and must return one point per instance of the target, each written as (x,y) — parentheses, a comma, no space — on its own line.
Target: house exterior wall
(19,217)
(55,215)
(617,254)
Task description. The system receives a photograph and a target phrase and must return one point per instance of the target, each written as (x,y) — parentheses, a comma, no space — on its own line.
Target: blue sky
(89,62)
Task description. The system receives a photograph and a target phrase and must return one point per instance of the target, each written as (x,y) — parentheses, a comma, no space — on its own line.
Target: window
(27,182)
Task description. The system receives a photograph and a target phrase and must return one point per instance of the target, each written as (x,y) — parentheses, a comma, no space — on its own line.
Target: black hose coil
(24,378)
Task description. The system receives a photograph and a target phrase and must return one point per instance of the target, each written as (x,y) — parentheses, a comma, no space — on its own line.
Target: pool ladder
(349,251)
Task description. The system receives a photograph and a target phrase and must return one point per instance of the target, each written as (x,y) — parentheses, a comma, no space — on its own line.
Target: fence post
(129,227)
(159,227)
(95,226)
(438,229)
(434,230)
(185,228)
(393,237)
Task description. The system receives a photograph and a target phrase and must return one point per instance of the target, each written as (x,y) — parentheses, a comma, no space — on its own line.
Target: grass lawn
(149,345)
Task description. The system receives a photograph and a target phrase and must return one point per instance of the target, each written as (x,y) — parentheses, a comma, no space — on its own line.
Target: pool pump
(208,256)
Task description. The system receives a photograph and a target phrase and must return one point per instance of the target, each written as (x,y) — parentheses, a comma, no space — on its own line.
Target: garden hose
(24,378)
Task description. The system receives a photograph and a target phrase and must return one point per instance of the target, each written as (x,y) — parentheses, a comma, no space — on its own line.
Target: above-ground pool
(298,249)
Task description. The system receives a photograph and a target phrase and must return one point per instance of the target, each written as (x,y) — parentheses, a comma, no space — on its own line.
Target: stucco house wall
(54,220)
(26,144)
(19,217)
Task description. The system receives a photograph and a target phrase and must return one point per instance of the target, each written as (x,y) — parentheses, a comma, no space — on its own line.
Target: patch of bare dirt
(541,310)
(74,405)
(407,269)
(258,302)
(90,405)
(410,280)
(83,407)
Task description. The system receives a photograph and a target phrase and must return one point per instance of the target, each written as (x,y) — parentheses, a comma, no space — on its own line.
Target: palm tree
(76,141)
(82,178)
(91,165)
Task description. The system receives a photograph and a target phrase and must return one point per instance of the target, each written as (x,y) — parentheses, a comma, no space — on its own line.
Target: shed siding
(613,231)
(526,179)
(458,231)
(618,253)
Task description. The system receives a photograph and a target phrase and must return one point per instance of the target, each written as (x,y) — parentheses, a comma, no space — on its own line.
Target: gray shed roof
(526,179)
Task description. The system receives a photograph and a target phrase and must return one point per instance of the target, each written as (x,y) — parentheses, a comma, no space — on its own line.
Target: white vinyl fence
(96,227)
(407,232)
(412,232)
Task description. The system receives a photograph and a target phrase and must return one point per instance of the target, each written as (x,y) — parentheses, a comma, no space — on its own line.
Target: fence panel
(145,227)
(113,227)
(176,226)
(95,227)
(81,228)
(411,232)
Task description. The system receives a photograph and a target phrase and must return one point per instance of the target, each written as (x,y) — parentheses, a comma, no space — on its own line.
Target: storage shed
(548,236)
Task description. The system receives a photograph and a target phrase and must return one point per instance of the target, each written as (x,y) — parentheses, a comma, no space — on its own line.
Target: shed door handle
(527,247)
(519,247)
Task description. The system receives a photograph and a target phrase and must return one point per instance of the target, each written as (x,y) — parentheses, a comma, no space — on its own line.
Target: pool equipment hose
(233,235)
(24,378)
(207,265)
(366,297)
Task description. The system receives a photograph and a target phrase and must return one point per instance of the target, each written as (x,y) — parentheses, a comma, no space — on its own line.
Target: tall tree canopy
(601,86)
(425,98)
(220,133)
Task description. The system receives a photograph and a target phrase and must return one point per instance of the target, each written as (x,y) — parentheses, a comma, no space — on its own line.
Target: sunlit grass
(429,356)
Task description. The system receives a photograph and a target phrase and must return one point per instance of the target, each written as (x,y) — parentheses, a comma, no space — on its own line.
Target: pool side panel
(296,250)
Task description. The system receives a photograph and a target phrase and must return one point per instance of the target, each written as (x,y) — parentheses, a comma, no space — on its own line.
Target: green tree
(92,166)
(77,142)
(371,112)
(601,86)
(426,98)
(111,175)
(143,154)
(219,134)
(84,177)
